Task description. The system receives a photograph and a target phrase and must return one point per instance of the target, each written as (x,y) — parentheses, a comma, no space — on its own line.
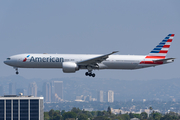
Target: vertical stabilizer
(161,50)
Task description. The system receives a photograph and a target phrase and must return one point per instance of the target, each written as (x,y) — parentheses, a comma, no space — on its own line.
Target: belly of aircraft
(39,65)
(121,64)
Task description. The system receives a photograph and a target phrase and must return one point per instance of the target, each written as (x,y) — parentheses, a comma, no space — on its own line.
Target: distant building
(20,90)
(1,90)
(12,88)
(80,98)
(100,96)
(39,93)
(46,92)
(88,98)
(32,89)
(83,98)
(57,91)
(21,108)
(110,96)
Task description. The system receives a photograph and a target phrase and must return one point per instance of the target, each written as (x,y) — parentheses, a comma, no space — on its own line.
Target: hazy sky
(89,26)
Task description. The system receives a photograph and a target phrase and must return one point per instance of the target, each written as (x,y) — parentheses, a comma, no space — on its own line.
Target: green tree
(109,110)
(150,114)
(56,115)
(51,113)
(82,117)
(150,108)
(125,117)
(104,113)
(69,115)
(62,112)
(76,110)
(144,115)
(87,113)
(46,116)
(166,117)
(157,116)
(173,113)
(93,113)
(118,118)
(101,118)
(137,116)
(131,115)
(99,113)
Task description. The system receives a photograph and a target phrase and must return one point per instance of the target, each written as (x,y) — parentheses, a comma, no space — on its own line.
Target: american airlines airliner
(70,63)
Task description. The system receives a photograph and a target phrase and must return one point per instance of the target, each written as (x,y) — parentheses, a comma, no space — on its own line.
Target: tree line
(77,114)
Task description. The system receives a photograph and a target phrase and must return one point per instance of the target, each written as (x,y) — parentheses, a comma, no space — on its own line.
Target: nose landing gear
(16,71)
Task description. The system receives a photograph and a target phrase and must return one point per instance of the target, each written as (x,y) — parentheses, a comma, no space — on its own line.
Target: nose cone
(6,62)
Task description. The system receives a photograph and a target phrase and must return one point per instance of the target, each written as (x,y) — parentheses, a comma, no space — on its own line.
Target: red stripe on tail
(169,40)
(166,46)
(156,57)
(163,51)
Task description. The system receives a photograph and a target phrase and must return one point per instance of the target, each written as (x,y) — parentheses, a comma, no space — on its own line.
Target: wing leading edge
(94,61)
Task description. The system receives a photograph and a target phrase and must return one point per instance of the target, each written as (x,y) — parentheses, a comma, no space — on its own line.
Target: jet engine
(69,67)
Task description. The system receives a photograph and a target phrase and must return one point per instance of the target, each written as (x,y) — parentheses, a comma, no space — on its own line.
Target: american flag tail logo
(161,50)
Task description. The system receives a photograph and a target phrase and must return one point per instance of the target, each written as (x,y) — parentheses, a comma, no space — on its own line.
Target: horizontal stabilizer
(164,59)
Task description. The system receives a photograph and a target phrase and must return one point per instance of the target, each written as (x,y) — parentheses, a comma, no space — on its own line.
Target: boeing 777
(70,63)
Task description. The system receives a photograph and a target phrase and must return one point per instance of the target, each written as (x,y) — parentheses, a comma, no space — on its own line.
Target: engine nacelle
(69,67)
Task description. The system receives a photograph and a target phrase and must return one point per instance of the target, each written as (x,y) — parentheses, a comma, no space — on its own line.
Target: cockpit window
(8,58)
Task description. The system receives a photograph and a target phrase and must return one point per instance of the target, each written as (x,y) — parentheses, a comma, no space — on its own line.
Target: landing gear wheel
(90,74)
(93,75)
(86,73)
(16,70)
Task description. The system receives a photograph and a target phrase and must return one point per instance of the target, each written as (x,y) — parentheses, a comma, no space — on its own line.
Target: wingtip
(115,51)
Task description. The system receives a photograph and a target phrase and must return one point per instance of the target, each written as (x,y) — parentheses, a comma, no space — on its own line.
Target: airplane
(70,63)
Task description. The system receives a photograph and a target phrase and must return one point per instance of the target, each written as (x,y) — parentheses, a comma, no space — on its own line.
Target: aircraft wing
(164,59)
(94,61)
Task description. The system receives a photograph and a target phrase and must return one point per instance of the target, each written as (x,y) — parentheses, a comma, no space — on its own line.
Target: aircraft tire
(93,75)
(90,74)
(86,73)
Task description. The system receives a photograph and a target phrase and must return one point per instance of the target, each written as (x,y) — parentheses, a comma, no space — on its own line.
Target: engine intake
(69,67)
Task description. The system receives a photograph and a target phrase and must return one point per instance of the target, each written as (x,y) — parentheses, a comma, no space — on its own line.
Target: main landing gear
(16,71)
(90,74)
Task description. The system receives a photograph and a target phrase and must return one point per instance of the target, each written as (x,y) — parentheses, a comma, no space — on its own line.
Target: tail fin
(160,51)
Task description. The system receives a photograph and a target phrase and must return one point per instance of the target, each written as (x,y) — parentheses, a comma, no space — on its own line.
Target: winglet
(114,52)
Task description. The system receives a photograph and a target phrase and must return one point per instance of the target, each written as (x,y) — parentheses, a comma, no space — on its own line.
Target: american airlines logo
(46,59)
(25,58)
